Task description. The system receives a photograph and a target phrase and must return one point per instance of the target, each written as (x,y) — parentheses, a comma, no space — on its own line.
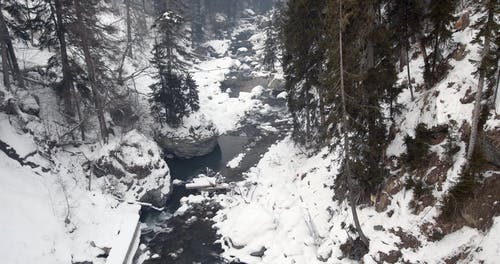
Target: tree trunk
(423,50)
(91,72)
(496,88)
(408,70)
(477,104)
(67,82)
(5,66)
(5,38)
(345,132)
(322,117)
(129,28)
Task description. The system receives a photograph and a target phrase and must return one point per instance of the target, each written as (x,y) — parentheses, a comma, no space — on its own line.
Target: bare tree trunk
(477,104)
(345,132)
(91,73)
(496,88)
(423,50)
(322,118)
(5,66)
(308,115)
(408,70)
(129,28)
(402,58)
(67,82)
(79,112)
(5,38)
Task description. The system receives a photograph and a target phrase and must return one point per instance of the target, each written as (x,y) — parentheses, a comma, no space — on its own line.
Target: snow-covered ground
(284,212)
(50,217)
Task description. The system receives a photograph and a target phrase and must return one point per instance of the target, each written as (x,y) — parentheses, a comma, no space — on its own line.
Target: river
(189,237)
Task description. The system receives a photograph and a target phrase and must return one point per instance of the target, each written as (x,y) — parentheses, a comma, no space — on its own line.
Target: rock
(383,201)
(133,169)
(393,186)
(463,22)
(189,141)
(378,228)
(490,146)
(259,253)
(29,105)
(460,52)
(392,257)
(354,249)
(276,84)
(188,147)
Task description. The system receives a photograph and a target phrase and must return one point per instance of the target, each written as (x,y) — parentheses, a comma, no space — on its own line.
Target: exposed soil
(477,211)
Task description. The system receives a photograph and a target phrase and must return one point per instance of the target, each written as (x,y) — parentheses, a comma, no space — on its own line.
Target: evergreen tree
(487,67)
(270,48)
(13,25)
(441,16)
(272,43)
(173,97)
(303,57)
(191,93)
(404,21)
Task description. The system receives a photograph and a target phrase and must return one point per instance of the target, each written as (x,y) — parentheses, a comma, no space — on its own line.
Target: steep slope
(287,210)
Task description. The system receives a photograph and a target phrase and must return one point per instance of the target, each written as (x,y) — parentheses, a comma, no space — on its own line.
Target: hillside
(252,131)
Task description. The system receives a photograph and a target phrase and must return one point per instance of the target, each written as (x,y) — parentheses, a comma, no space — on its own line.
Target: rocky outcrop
(30,105)
(490,146)
(133,169)
(189,141)
(187,147)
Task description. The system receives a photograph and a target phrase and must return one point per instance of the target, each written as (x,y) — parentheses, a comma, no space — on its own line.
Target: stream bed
(189,237)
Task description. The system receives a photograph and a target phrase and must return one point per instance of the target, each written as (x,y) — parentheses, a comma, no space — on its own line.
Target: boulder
(29,105)
(187,147)
(132,168)
(197,137)
(490,147)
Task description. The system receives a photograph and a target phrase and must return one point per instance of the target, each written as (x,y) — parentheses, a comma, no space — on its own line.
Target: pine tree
(13,25)
(270,48)
(191,93)
(173,96)
(487,67)
(404,21)
(441,16)
(303,56)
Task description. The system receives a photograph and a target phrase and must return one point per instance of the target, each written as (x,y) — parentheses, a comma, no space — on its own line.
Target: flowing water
(190,237)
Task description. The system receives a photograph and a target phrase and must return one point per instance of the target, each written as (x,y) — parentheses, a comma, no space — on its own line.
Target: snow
(76,223)
(219,46)
(15,139)
(133,150)
(202,181)
(282,95)
(129,233)
(225,112)
(26,206)
(274,204)
(284,209)
(235,162)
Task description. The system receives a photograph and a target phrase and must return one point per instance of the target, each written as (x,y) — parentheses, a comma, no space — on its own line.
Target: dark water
(187,169)
(189,238)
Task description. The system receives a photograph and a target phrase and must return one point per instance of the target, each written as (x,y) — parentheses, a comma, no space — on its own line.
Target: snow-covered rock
(197,137)
(29,105)
(133,168)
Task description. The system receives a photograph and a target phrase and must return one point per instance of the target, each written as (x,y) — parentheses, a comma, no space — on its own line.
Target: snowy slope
(284,212)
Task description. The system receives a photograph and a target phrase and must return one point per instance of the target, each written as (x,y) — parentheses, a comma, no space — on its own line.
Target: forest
(249,131)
